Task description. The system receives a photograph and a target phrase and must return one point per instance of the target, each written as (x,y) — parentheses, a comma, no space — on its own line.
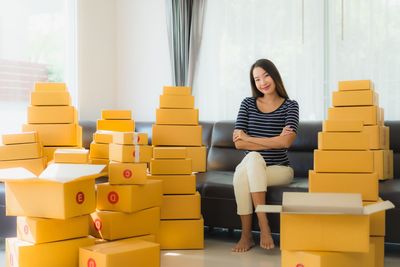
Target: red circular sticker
(80,197)
(299,265)
(98,224)
(113,197)
(127,174)
(11,260)
(26,229)
(91,263)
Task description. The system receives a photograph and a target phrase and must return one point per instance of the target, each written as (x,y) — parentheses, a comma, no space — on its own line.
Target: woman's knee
(255,156)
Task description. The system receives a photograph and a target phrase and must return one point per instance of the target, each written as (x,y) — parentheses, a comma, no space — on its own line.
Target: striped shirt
(260,124)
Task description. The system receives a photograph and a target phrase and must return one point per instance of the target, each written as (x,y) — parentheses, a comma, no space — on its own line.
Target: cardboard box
(48,151)
(355,98)
(61,191)
(49,86)
(177,116)
(377,220)
(50,98)
(383,163)
(99,151)
(20,151)
(61,254)
(127,173)
(176,184)
(129,198)
(343,161)
(116,114)
(342,126)
(132,253)
(103,137)
(324,221)
(112,225)
(180,207)
(198,154)
(369,115)
(130,138)
(52,114)
(171,166)
(379,246)
(177,101)
(177,90)
(64,134)
(131,153)
(40,230)
(364,183)
(35,166)
(116,125)
(343,141)
(100,162)
(71,156)
(378,136)
(181,234)
(20,138)
(176,135)
(355,85)
(169,152)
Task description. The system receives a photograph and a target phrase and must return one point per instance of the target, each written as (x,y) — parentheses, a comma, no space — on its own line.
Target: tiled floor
(218,253)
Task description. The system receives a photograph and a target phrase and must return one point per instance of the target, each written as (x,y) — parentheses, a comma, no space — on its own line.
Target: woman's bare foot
(243,245)
(266,240)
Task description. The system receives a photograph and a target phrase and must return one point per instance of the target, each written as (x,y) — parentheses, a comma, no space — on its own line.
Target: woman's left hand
(239,135)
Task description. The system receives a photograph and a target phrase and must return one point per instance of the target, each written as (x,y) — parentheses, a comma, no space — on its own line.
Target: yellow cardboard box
(130,138)
(103,137)
(181,234)
(364,183)
(61,191)
(132,253)
(342,126)
(48,151)
(343,141)
(99,151)
(71,156)
(343,161)
(378,136)
(63,134)
(20,138)
(355,85)
(110,114)
(383,163)
(177,90)
(176,184)
(172,116)
(127,173)
(177,101)
(129,198)
(49,86)
(41,230)
(50,98)
(324,221)
(198,154)
(377,220)
(61,254)
(112,225)
(95,161)
(52,114)
(131,153)
(20,151)
(180,207)
(116,125)
(171,166)
(35,166)
(169,152)
(355,98)
(176,135)
(369,115)
(379,246)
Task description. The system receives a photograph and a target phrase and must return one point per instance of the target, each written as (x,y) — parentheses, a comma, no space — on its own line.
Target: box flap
(64,173)
(269,208)
(376,207)
(16,174)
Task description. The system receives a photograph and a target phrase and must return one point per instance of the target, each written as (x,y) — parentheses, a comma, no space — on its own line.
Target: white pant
(253,175)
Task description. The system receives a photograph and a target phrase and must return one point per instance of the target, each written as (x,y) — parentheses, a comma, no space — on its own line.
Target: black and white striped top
(259,124)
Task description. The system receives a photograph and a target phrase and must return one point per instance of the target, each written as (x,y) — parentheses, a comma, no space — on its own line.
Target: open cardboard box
(61,191)
(324,221)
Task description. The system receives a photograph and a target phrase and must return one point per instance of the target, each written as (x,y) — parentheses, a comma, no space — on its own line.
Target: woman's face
(264,82)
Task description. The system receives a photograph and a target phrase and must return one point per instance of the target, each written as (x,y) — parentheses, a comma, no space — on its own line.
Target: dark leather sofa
(215,185)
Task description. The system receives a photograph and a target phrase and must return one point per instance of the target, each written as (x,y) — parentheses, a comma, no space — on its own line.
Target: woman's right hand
(286,131)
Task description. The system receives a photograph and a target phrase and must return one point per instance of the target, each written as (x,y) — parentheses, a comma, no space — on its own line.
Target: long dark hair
(270,68)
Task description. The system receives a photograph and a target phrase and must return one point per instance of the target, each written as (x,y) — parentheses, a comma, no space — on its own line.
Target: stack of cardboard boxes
(22,150)
(53,212)
(53,118)
(178,151)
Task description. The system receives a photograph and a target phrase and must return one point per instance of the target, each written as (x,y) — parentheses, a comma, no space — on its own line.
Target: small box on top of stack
(53,118)
(52,210)
(22,150)
(178,152)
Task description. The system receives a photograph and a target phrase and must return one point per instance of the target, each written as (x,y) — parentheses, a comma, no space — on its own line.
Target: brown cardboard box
(52,114)
(181,234)
(130,138)
(355,85)
(177,90)
(171,116)
(48,151)
(378,136)
(49,86)
(50,98)
(180,207)
(342,126)
(176,135)
(116,125)
(377,220)
(64,134)
(343,161)
(20,151)
(343,141)
(20,138)
(116,114)
(131,153)
(176,184)
(36,166)
(355,98)
(127,173)
(71,156)
(169,152)
(379,246)
(370,115)
(99,151)
(383,163)
(171,166)
(177,101)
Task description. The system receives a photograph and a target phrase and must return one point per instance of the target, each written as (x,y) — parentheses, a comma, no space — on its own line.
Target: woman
(266,127)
